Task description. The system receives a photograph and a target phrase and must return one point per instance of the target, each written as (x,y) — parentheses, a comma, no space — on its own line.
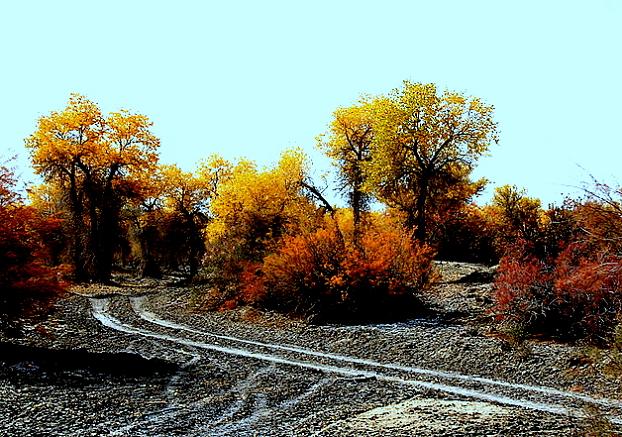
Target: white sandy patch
(428,414)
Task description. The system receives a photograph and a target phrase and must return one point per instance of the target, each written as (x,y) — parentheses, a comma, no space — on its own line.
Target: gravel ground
(211,392)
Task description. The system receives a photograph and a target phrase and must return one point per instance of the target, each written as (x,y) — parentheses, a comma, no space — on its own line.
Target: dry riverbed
(137,359)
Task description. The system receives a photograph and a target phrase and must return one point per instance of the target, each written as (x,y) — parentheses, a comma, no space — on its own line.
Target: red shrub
(589,289)
(27,284)
(522,289)
(578,294)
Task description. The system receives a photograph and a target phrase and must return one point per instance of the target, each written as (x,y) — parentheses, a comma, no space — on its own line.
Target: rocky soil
(170,370)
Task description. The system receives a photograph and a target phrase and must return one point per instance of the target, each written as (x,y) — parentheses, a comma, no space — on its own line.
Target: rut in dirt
(538,398)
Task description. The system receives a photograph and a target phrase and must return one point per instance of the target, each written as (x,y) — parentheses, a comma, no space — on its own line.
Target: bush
(577,294)
(588,290)
(28,286)
(326,274)
(523,292)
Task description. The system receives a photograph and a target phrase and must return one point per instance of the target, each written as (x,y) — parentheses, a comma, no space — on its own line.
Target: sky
(252,78)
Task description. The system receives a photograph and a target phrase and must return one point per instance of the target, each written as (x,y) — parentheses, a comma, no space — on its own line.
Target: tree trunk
(197,246)
(150,268)
(356,198)
(95,238)
(77,225)
(420,210)
(107,238)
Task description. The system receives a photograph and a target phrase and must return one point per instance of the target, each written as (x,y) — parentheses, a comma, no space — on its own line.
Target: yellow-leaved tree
(348,143)
(187,198)
(251,211)
(97,162)
(253,208)
(424,148)
(516,217)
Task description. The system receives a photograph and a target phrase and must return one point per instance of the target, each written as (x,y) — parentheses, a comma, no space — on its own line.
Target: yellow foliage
(47,199)
(253,207)
(424,147)
(97,163)
(80,141)
(516,215)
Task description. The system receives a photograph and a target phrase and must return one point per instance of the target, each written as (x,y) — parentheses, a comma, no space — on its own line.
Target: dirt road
(244,372)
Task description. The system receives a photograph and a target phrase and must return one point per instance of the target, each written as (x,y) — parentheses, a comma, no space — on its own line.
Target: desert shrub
(577,294)
(522,291)
(588,290)
(325,274)
(28,286)
(303,274)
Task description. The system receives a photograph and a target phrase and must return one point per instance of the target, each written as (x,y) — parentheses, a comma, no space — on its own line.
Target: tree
(187,197)
(349,145)
(516,216)
(49,202)
(253,208)
(97,161)
(425,146)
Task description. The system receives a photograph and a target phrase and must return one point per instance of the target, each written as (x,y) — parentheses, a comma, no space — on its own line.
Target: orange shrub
(326,274)
(304,273)
(389,262)
(253,282)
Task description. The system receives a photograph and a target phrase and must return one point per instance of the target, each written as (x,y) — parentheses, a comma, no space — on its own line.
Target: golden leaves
(254,203)
(80,139)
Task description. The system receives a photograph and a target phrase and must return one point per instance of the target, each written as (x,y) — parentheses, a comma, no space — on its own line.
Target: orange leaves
(321,273)
(388,260)
(304,262)
(253,287)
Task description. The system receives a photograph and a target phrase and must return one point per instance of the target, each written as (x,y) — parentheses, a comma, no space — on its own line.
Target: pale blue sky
(252,78)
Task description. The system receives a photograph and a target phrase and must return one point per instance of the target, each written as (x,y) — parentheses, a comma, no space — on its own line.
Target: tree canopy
(425,146)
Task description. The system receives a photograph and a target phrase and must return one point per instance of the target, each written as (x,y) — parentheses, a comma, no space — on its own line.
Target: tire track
(381,371)
(138,307)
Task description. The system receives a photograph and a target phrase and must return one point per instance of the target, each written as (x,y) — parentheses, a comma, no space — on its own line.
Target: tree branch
(318,195)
